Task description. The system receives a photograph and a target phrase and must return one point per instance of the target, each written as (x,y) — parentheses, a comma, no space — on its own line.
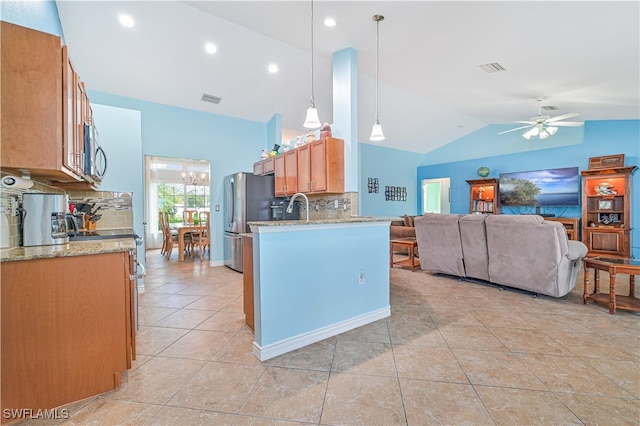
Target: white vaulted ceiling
(580,56)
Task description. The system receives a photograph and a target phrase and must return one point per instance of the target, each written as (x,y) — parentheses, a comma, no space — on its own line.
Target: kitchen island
(313,280)
(68,323)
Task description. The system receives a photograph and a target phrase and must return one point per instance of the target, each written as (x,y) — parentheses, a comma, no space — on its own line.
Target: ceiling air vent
(492,67)
(211,98)
(549,108)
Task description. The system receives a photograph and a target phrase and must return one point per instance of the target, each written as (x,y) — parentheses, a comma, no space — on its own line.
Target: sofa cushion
(438,237)
(474,246)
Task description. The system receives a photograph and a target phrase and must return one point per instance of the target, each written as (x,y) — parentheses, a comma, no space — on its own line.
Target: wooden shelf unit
(571,224)
(606,215)
(483,196)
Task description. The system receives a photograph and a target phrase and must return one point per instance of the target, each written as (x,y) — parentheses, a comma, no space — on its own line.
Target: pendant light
(312,121)
(376,131)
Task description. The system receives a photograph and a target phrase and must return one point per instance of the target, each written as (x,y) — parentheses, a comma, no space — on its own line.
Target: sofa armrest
(577,250)
(401,232)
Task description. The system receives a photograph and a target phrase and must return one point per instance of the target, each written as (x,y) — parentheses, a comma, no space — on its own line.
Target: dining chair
(161,221)
(187,216)
(202,236)
(171,237)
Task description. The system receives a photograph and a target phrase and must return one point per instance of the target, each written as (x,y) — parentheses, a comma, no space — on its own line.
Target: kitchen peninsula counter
(75,248)
(313,280)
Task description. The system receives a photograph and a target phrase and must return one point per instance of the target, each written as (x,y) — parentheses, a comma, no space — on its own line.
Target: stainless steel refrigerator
(247,198)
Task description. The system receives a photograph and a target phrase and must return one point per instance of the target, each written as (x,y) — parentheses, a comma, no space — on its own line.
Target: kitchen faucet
(290,206)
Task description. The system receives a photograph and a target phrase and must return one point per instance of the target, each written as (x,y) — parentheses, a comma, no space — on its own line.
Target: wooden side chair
(161,221)
(202,237)
(188,215)
(171,236)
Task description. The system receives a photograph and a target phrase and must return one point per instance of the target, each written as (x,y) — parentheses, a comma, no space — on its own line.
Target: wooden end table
(410,244)
(613,267)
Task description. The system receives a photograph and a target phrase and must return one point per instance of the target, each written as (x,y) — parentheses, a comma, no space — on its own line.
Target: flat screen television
(541,188)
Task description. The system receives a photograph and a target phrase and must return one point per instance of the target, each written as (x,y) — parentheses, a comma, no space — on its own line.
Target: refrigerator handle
(230,202)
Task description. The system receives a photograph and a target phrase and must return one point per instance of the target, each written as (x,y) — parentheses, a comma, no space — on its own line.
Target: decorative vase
(325,131)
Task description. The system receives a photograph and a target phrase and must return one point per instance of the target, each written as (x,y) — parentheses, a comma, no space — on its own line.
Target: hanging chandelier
(312,121)
(193,178)
(376,131)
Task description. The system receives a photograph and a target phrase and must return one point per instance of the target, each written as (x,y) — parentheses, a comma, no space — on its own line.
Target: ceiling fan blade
(562,117)
(526,122)
(513,130)
(567,124)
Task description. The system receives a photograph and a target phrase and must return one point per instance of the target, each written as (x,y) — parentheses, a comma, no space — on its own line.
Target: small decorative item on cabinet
(483,172)
(264,154)
(604,205)
(325,131)
(606,162)
(310,137)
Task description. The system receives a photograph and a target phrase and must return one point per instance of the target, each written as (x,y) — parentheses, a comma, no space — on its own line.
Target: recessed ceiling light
(330,22)
(210,48)
(126,21)
(273,68)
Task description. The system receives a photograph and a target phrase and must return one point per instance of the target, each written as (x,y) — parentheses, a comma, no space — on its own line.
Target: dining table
(183,228)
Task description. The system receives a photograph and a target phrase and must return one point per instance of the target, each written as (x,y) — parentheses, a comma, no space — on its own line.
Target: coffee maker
(44,219)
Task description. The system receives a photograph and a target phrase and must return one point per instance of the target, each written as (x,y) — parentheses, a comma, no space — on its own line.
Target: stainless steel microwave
(95,159)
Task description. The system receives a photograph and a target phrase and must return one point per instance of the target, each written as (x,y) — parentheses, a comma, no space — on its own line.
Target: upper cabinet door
(304,168)
(68,111)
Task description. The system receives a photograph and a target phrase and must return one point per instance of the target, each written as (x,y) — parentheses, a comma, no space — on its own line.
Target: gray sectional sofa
(524,252)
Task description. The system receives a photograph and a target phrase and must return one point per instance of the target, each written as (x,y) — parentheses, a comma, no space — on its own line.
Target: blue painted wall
(120,135)
(229,144)
(392,167)
(39,15)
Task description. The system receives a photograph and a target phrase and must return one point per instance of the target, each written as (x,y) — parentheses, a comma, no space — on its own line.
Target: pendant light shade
(376,131)
(312,121)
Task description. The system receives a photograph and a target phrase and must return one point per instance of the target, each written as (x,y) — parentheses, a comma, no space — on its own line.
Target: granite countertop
(76,248)
(352,219)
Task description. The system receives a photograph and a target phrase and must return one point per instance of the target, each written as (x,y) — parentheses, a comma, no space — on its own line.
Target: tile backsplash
(116,208)
(331,206)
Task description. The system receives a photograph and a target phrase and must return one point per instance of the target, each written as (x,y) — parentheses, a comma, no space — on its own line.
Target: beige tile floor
(451,353)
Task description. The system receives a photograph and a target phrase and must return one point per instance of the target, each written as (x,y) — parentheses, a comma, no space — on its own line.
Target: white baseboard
(264,353)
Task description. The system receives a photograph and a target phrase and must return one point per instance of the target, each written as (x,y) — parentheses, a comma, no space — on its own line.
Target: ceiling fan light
(552,130)
(527,135)
(376,132)
(534,131)
(312,121)
(543,134)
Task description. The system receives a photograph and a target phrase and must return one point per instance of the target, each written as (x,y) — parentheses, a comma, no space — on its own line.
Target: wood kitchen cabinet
(68,328)
(321,166)
(264,167)
(247,280)
(44,106)
(286,173)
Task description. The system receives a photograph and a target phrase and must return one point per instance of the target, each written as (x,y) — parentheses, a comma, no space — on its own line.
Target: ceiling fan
(544,126)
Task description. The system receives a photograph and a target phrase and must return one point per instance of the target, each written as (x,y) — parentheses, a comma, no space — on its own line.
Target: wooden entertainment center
(605,223)
(606,211)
